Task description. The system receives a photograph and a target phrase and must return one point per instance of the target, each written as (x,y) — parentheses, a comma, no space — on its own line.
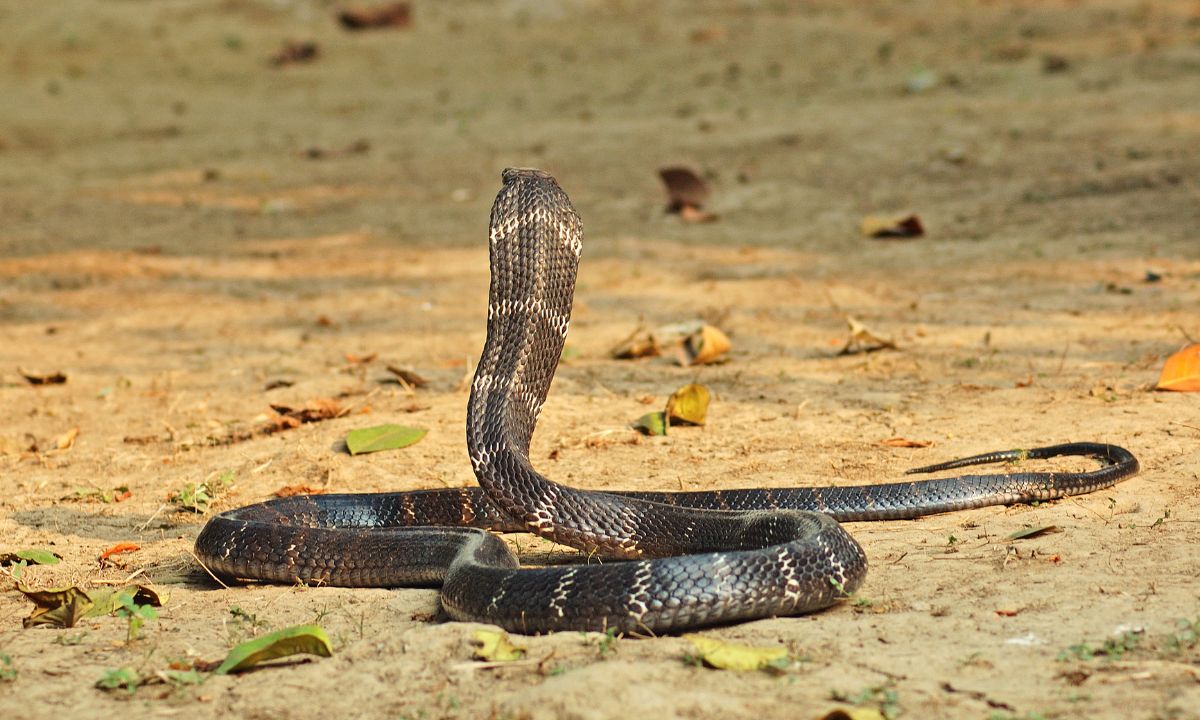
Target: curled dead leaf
(688,405)
(39,378)
(394,15)
(292,490)
(684,189)
(863,339)
(705,346)
(892,227)
(1181,371)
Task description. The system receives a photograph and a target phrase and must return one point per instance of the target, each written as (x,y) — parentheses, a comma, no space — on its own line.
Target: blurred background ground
(185,223)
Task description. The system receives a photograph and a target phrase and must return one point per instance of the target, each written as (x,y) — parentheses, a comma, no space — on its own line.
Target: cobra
(658,562)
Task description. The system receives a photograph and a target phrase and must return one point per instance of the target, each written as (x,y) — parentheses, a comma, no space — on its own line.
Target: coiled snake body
(693,558)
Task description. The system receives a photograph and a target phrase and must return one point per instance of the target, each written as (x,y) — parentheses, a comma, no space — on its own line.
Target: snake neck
(535,241)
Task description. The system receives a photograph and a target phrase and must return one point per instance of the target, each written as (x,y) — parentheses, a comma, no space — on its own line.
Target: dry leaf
(360,359)
(906,443)
(684,189)
(704,346)
(395,15)
(407,377)
(862,339)
(33,378)
(688,405)
(740,658)
(295,52)
(690,214)
(67,439)
(125,547)
(853,713)
(1181,371)
(494,646)
(895,226)
(640,343)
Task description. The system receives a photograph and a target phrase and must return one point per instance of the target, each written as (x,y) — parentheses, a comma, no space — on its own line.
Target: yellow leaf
(741,658)
(688,405)
(495,646)
(853,713)
(67,439)
(1181,371)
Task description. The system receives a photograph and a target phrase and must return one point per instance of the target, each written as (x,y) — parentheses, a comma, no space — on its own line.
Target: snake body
(690,559)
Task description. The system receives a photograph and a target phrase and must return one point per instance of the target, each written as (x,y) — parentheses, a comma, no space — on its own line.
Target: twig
(210,572)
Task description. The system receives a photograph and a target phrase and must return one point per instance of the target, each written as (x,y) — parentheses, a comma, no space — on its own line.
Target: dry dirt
(171,246)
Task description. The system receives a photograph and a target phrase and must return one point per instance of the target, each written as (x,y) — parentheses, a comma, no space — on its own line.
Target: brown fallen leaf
(709,34)
(1181,371)
(294,52)
(891,227)
(392,15)
(685,189)
(35,378)
(287,417)
(360,359)
(906,443)
(640,343)
(690,214)
(407,377)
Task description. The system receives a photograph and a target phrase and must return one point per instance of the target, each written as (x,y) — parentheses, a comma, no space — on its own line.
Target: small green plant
(71,639)
(8,671)
(1185,637)
(136,615)
(179,679)
(883,697)
(122,678)
(1112,648)
(608,643)
(243,625)
(860,603)
(952,541)
(197,497)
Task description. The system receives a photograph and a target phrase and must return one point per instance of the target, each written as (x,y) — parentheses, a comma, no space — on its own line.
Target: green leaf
(654,423)
(382,437)
(741,658)
(495,646)
(688,405)
(309,639)
(35,556)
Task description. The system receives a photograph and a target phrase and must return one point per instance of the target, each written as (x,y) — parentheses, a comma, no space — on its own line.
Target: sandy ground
(170,245)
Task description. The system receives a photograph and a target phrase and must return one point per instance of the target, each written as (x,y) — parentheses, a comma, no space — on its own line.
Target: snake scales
(693,558)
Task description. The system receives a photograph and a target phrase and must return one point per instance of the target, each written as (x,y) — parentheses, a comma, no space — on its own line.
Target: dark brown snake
(694,559)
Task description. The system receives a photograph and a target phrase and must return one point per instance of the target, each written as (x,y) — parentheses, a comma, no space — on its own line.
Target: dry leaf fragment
(684,189)
(354,359)
(704,346)
(862,339)
(1181,371)
(35,378)
(295,52)
(358,147)
(67,439)
(690,214)
(494,646)
(125,547)
(1033,532)
(891,227)
(640,343)
(906,443)
(408,377)
(394,15)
